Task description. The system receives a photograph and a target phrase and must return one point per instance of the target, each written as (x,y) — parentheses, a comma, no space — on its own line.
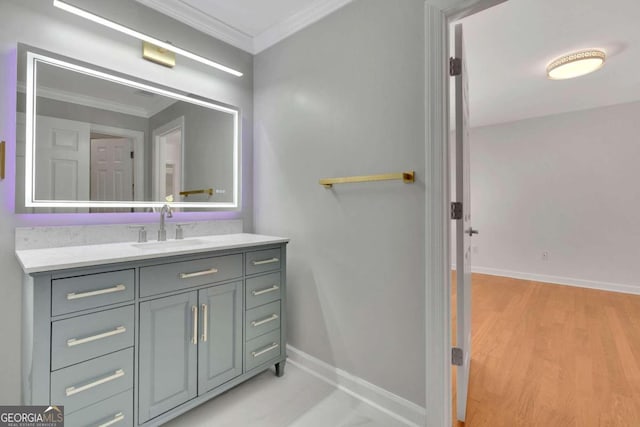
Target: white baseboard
(393,405)
(558,280)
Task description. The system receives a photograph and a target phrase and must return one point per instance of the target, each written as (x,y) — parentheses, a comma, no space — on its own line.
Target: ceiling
(508,47)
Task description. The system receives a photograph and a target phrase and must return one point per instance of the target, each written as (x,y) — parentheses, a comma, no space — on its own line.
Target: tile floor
(298,399)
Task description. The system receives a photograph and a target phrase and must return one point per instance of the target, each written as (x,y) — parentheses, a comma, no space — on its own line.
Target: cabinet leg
(280,368)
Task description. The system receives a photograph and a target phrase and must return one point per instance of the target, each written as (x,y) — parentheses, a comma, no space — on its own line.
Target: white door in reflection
(62,159)
(168,149)
(111,169)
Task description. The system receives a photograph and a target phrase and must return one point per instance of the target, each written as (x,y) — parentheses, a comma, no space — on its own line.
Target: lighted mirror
(99,141)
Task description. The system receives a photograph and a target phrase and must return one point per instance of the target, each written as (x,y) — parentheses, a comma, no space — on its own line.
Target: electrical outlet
(545,255)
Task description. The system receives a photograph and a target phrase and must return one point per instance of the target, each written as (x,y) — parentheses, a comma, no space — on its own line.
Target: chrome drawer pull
(194,311)
(265,350)
(198,273)
(265,261)
(77,341)
(255,293)
(70,391)
(116,419)
(271,318)
(117,288)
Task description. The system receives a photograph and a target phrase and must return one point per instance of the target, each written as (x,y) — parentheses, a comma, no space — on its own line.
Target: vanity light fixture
(145,38)
(576,64)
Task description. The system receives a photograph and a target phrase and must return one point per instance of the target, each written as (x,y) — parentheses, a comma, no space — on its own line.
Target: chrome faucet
(162,233)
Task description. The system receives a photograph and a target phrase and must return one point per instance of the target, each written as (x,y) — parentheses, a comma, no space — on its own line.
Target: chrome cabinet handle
(117,288)
(77,341)
(205,321)
(116,419)
(255,292)
(198,273)
(271,318)
(265,261)
(194,311)
(70,391)
(265,350)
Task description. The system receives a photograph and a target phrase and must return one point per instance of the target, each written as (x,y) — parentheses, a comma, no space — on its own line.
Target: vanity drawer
(115,411)
(262,349)
(89,382)
(159,279)
(262,290)
(85,337)
(262,261)
(261,320)
(90,291)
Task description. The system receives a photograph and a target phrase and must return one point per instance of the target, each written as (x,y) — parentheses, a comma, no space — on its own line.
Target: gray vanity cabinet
(168,358)
(220,344)
(188,339)
(139,342)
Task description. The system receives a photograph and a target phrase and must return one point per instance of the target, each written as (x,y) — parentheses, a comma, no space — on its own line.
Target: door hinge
(456,210)
(457,356)
(132,155)
(455,66)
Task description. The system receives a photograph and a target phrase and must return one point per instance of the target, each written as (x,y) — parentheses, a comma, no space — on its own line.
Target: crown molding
(207,24)
(90,101)
(99,103)
(296,22)
(194,18)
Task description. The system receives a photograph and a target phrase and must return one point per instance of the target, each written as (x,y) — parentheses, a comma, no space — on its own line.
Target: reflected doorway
(168,146)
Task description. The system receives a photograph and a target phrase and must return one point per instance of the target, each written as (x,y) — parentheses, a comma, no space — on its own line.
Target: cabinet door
(168,355)
(220,348)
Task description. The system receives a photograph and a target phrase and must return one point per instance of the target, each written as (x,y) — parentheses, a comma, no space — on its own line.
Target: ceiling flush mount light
(576,64)
(145,38)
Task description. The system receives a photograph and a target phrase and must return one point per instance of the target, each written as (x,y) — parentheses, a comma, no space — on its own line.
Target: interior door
(167,167)
(111,170)
(463,227)
(62,159)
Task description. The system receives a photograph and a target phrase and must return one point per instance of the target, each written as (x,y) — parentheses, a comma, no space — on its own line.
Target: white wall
(38,24)
(343,97)
(567,184)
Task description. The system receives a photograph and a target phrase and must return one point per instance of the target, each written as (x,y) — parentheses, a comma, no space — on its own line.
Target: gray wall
(566,184)
(208,149)
(39,24)
(345,96)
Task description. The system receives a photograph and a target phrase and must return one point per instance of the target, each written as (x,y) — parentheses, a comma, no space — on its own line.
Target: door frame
(438,15)
(137,141)
(170,126)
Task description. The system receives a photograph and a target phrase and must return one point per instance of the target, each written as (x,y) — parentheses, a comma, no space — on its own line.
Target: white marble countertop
(52,259)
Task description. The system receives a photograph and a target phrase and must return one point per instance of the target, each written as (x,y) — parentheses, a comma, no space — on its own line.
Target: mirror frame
(33,56)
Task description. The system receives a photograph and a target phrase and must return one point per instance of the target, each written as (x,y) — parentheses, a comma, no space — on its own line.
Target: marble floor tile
(298,399)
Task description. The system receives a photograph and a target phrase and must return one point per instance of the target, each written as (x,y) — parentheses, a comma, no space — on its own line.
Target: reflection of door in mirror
(111,170)
(62,160)
(168,143)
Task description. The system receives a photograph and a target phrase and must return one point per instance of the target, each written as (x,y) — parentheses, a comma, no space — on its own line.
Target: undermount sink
(168,244)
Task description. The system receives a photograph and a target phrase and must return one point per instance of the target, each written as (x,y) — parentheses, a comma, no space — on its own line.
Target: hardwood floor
(552,356)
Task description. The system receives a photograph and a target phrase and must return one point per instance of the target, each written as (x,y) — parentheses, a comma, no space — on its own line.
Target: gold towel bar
(208,191)
(2,159)
(407,177)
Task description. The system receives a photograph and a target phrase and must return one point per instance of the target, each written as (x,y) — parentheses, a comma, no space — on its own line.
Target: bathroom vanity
(131,334)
